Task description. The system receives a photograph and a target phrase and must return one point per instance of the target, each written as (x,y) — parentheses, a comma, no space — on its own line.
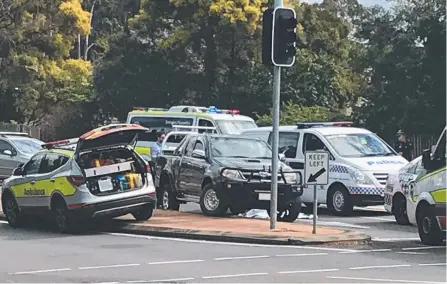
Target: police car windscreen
(359,145)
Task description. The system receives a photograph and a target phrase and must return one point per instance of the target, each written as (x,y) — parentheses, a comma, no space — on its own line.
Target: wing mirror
(282,157)
(7,153)
(199,154)
(426,158)
(18,171)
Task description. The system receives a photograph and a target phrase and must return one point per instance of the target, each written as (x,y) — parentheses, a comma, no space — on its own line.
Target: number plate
(105,185)
(264,196)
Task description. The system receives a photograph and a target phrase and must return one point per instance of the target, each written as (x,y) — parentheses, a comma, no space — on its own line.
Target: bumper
(257,195)
(367,200)
(113,208)
(439,211)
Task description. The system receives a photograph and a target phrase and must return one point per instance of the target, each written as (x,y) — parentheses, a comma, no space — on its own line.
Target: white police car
(359,165)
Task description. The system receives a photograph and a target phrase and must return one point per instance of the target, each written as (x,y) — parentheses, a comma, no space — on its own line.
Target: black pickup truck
(220,172)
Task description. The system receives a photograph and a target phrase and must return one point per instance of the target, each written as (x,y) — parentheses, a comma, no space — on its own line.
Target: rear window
(161,123)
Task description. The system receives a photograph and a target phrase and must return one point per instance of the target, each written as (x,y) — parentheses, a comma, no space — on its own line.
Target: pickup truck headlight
(232,174)
(360,178)
(290,177)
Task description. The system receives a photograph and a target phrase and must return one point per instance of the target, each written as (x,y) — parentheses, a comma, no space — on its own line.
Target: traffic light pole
(275,138)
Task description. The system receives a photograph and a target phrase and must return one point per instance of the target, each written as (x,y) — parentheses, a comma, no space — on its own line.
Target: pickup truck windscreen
(240,148)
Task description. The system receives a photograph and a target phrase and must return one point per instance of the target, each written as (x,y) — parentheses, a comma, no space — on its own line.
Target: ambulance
(359,165)
(185,118)
(426,197)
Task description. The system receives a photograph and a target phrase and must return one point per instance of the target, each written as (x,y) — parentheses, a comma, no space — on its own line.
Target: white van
(360,161)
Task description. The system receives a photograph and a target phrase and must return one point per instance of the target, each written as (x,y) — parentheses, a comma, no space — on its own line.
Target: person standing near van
(404,146)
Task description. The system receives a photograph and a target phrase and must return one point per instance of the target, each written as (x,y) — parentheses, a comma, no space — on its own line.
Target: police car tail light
(76,180)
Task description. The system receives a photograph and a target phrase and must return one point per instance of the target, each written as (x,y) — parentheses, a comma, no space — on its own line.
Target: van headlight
(290,177)
(232,174)
(360,178)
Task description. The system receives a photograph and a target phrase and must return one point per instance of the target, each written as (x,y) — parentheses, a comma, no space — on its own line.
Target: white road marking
(41,271)
(163,280)
(422,248)
(176,261)
(308,271)
(380,266)
(432,264)
(410,252)
(376,279)
(368,250)
(108,266)
(394,239)
(241,257)
(301,254)
(234,275)
(380,219)
(225,243)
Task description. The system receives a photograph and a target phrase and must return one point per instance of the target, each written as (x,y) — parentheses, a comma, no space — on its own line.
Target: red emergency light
(49,145)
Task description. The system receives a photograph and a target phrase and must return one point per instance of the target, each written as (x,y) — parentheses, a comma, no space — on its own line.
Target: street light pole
(275,138)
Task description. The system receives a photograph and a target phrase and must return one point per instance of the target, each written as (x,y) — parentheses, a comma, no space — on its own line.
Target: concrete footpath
(228,229)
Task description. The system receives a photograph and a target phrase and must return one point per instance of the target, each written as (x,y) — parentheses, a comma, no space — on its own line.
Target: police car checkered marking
(338,169)
(366,190)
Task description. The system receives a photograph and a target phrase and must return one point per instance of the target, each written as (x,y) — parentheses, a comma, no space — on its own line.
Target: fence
(420,142)
(34,131)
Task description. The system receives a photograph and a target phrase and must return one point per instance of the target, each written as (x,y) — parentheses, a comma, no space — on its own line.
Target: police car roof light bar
(302,125)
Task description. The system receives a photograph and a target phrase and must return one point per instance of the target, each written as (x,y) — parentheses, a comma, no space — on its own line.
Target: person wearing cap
(404,146)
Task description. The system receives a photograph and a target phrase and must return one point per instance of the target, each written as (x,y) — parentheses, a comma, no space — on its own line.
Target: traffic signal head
(284,37)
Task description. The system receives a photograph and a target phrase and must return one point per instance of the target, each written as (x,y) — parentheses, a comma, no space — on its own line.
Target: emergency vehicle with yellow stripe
(185,118)
(426,197)
(96,175)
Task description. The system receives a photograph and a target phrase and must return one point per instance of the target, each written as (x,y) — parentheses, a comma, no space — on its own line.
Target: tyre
(211,202)
(168,199)
(428,228)
(291,213)
(339,201)
(400,210)
(144,214)
(61,220)
(12,212)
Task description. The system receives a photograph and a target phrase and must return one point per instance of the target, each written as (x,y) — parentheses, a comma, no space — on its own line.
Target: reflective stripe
(439,195)
(44,188)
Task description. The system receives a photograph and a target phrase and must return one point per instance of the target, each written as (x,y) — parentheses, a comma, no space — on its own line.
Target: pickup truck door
(184,170)
(197,168)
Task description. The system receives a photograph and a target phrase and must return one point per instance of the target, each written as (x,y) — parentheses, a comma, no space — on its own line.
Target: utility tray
(110,169)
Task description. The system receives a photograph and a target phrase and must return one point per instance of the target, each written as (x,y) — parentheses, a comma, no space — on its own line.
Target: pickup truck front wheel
(211,202)
(169,201)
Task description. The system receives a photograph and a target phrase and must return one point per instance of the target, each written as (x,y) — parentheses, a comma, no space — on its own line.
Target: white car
(397,187)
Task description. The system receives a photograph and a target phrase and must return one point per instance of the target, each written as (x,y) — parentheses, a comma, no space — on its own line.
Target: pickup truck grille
(381,178)
(256,176)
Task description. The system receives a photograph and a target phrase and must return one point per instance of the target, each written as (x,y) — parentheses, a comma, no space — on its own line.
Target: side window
(52,162)
(5,146)
(199,146)
(189,147)
(288,143)
(312,143)
(205,123)
(33,165)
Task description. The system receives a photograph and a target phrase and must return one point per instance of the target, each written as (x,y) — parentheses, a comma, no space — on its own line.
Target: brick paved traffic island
(236,229)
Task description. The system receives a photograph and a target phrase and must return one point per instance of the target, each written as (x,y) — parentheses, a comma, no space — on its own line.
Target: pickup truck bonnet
(110,135)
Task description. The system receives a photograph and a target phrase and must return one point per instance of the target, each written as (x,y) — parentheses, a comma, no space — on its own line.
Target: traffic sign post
(316,172)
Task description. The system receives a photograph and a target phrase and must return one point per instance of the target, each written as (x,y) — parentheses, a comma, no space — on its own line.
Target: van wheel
(339,201)
(169,200)
(400,210)
(144,214)
(428,228)
(211,202)
(12,212)
(62,222)
(291,213)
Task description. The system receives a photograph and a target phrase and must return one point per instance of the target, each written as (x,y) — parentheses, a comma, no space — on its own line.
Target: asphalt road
(373,220)
(37,255)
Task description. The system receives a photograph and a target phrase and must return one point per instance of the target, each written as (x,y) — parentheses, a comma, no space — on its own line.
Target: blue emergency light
(303,125)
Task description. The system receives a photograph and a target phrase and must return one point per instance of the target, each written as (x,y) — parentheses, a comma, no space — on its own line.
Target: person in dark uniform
(404,146)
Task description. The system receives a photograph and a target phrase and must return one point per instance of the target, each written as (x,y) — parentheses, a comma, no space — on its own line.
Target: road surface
(37,255)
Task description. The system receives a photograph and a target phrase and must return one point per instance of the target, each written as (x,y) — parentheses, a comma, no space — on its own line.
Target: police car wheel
(400,210)
(12,211)
(339,201)
(428,228)
(144,214)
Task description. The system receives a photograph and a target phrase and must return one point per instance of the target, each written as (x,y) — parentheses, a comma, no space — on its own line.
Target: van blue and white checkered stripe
(338,169)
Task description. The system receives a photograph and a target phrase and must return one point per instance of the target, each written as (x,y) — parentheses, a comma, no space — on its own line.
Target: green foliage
(292,113)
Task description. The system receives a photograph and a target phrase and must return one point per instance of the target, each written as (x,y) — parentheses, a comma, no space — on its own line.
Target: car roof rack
(23,134)
(303,125)
(60,143)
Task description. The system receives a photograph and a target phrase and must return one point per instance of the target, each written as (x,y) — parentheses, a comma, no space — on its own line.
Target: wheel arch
(206,180)
(56,196)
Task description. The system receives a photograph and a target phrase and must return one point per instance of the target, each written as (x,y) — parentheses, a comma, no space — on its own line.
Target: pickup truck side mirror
(426,158)
(282,157)
(199,154)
